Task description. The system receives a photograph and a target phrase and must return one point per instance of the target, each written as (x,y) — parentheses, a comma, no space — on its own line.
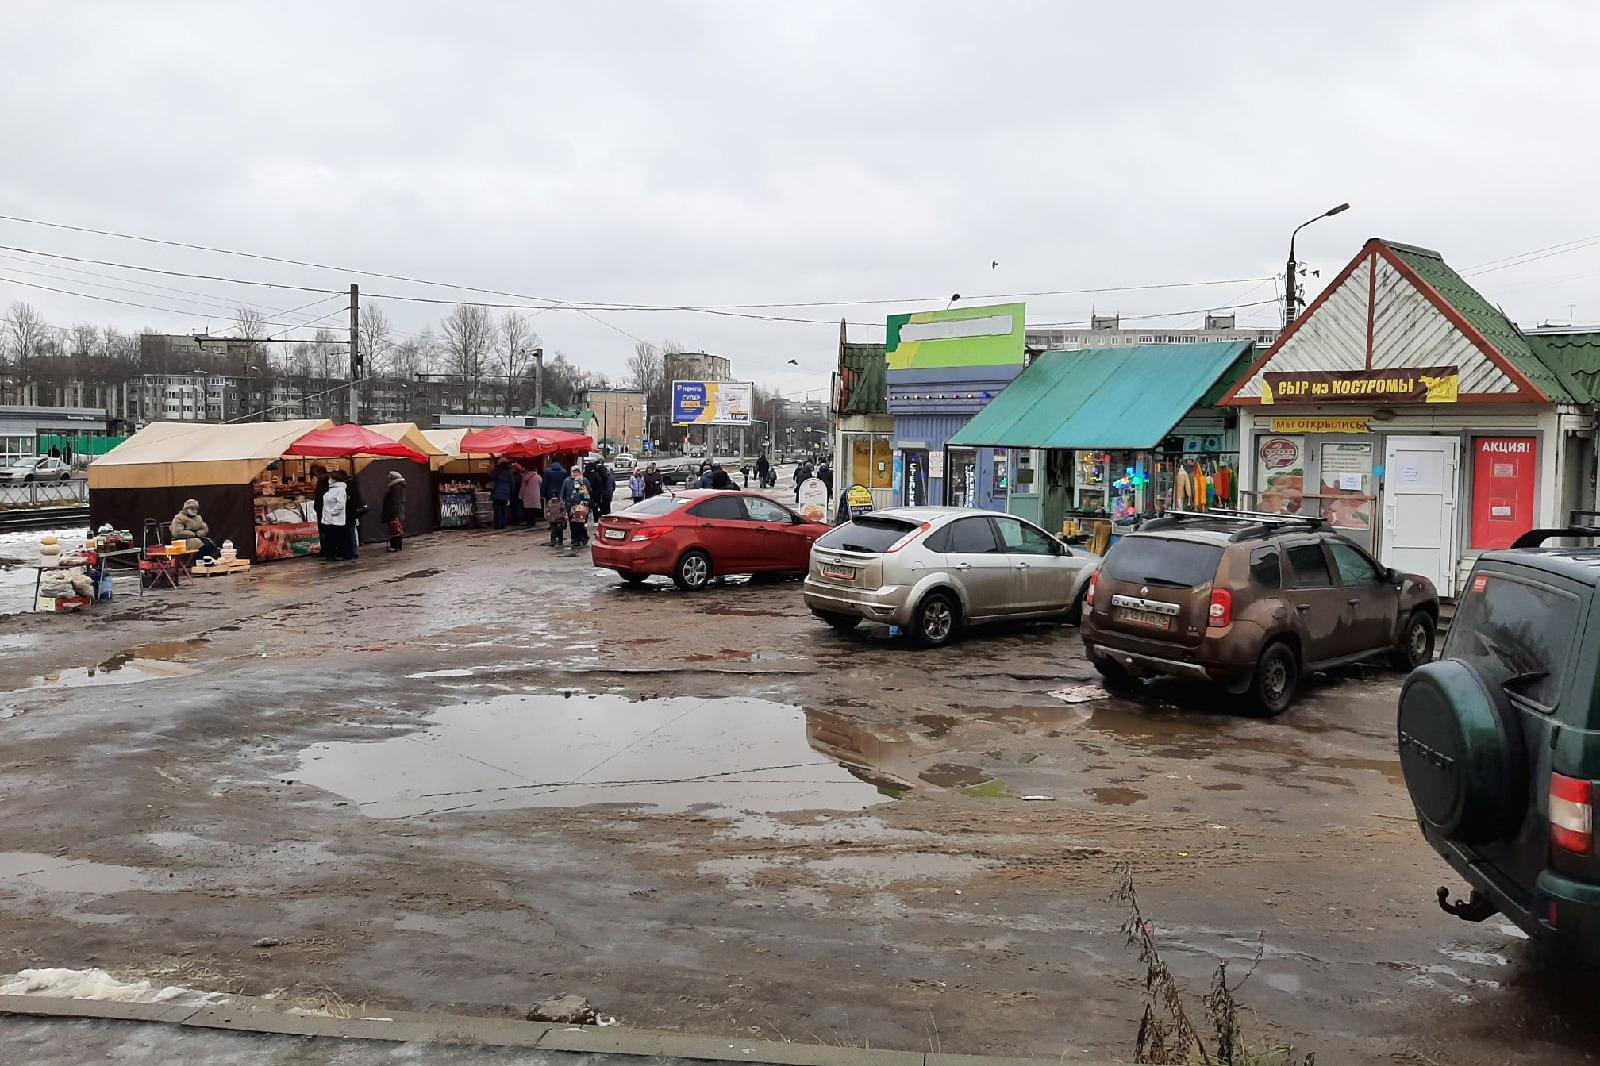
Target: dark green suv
(1500,741)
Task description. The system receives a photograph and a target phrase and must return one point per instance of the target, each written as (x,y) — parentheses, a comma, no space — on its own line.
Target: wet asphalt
(480,772)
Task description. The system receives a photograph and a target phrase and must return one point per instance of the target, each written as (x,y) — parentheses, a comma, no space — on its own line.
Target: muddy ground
(479,772)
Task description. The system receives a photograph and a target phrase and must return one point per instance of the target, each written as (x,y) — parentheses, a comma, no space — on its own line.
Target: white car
(36,468)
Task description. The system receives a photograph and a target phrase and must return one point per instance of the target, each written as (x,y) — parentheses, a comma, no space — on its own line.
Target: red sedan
(694,536)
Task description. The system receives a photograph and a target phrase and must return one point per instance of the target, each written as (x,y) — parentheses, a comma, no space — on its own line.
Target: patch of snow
(97,984)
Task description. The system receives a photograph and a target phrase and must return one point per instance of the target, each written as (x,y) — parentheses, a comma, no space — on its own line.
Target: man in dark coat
(720,478)
(356,508)
(502,486)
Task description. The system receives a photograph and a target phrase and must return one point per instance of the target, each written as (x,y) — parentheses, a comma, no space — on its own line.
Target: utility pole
(1291,288)
(538,381)
(355,352)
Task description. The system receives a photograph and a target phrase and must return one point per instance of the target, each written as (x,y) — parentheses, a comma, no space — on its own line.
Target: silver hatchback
(932,569)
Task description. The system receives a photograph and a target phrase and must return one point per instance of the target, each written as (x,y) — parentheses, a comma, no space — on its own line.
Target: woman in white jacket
(331,522)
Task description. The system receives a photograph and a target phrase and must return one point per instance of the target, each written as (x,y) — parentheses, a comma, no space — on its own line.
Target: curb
(247,1014)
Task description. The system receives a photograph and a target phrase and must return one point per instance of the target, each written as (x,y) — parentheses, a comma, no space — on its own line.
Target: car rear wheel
(839,621)
(1416,643)
(1272,687)
(1114,678)
(693,571)
(934,621)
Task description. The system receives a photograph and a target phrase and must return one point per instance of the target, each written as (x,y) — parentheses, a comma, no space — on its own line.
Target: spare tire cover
(1462,754)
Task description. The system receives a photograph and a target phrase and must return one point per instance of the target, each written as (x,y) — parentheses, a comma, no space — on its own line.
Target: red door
(718,525)
(1504,472)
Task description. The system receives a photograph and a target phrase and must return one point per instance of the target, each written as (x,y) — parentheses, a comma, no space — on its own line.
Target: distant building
(1107,331)
(697,366)
(619,416)
(23,428)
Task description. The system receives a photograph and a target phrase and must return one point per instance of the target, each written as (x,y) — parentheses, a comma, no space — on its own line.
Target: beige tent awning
(408,434)
(456,461)
(197,453)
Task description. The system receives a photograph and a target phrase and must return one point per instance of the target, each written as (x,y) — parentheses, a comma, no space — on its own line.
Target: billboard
(959,336)
(712,403)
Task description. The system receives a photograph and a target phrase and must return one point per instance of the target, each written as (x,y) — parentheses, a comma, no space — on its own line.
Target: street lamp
(1291,294)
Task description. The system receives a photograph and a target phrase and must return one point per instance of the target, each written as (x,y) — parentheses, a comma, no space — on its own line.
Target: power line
(729,309)
(124,303)
(1532,256)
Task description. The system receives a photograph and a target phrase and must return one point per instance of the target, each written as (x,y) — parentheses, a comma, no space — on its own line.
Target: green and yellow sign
(958,336)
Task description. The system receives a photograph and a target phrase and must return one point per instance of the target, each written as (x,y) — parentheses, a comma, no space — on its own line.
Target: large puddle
(673,754)
(50,873)
(147,662)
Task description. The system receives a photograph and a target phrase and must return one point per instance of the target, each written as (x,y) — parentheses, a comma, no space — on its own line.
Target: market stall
(459,479)
(1115,434)
(359,450)
(372,474)
(224,467)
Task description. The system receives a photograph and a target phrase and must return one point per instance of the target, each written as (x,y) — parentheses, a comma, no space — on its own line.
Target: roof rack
(1256,523)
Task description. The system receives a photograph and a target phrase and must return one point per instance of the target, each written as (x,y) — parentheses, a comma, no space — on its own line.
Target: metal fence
(44,494)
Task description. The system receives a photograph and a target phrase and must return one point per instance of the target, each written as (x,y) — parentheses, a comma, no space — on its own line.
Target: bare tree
(469,333)
(377,340)
(25,333)
(517,342)
(84,339)
(415,355)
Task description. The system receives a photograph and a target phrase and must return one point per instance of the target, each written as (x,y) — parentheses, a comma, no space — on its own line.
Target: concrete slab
(63,1007)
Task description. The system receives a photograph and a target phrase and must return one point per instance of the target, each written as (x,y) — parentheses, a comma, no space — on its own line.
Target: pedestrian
(576,494)
(763,468)
(517,476)
(394,510)
(319,474)
(355,507)
(825,475)
(333,540)
(501,483)
(744,470)
(636,483)
(532,496)
(802,474)
(653,485)
(720,478)
(705,479)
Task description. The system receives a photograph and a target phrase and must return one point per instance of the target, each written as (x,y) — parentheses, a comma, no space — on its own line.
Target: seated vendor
(188,525)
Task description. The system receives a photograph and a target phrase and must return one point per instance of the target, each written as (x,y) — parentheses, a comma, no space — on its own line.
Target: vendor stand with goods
(81,572)
(235,472)
(459,480)
(349,446)
(483,448)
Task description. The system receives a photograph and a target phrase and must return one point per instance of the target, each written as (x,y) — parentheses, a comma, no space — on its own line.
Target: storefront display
(1346,492)
(961,477)
(871,460)
(1280,475)
(284,495)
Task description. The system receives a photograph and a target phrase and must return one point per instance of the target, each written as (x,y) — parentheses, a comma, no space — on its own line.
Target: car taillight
(1220,612)
(1088,596)
(1571,814)
(650,532)
(907,539)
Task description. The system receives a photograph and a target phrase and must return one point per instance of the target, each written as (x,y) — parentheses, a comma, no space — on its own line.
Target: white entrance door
(1419,507)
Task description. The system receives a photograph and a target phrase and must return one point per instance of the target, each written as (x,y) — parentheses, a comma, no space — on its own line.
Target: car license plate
(1144,618)
(616,534)
(839,573)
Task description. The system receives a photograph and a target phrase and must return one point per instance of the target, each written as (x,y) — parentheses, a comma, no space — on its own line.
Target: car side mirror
(1389,577)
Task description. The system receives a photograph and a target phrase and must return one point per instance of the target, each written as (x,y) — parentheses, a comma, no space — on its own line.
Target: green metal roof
(1485,317)
(1102,397)
(1573,356)
(866,368)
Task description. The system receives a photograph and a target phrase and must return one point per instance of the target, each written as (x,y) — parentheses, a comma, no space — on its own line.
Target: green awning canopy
(1102,397)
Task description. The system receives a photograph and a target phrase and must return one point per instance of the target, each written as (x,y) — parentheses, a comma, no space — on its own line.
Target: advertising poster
(455,510)
(813,501)
(1347,483)
(1503,477)
(957,336)
(712,403)
(859,499)
(1281,475)
(916,477)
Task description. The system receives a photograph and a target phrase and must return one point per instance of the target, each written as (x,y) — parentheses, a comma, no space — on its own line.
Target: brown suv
(1250,601)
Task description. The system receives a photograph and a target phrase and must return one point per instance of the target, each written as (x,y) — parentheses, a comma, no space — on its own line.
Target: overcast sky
(725,153)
